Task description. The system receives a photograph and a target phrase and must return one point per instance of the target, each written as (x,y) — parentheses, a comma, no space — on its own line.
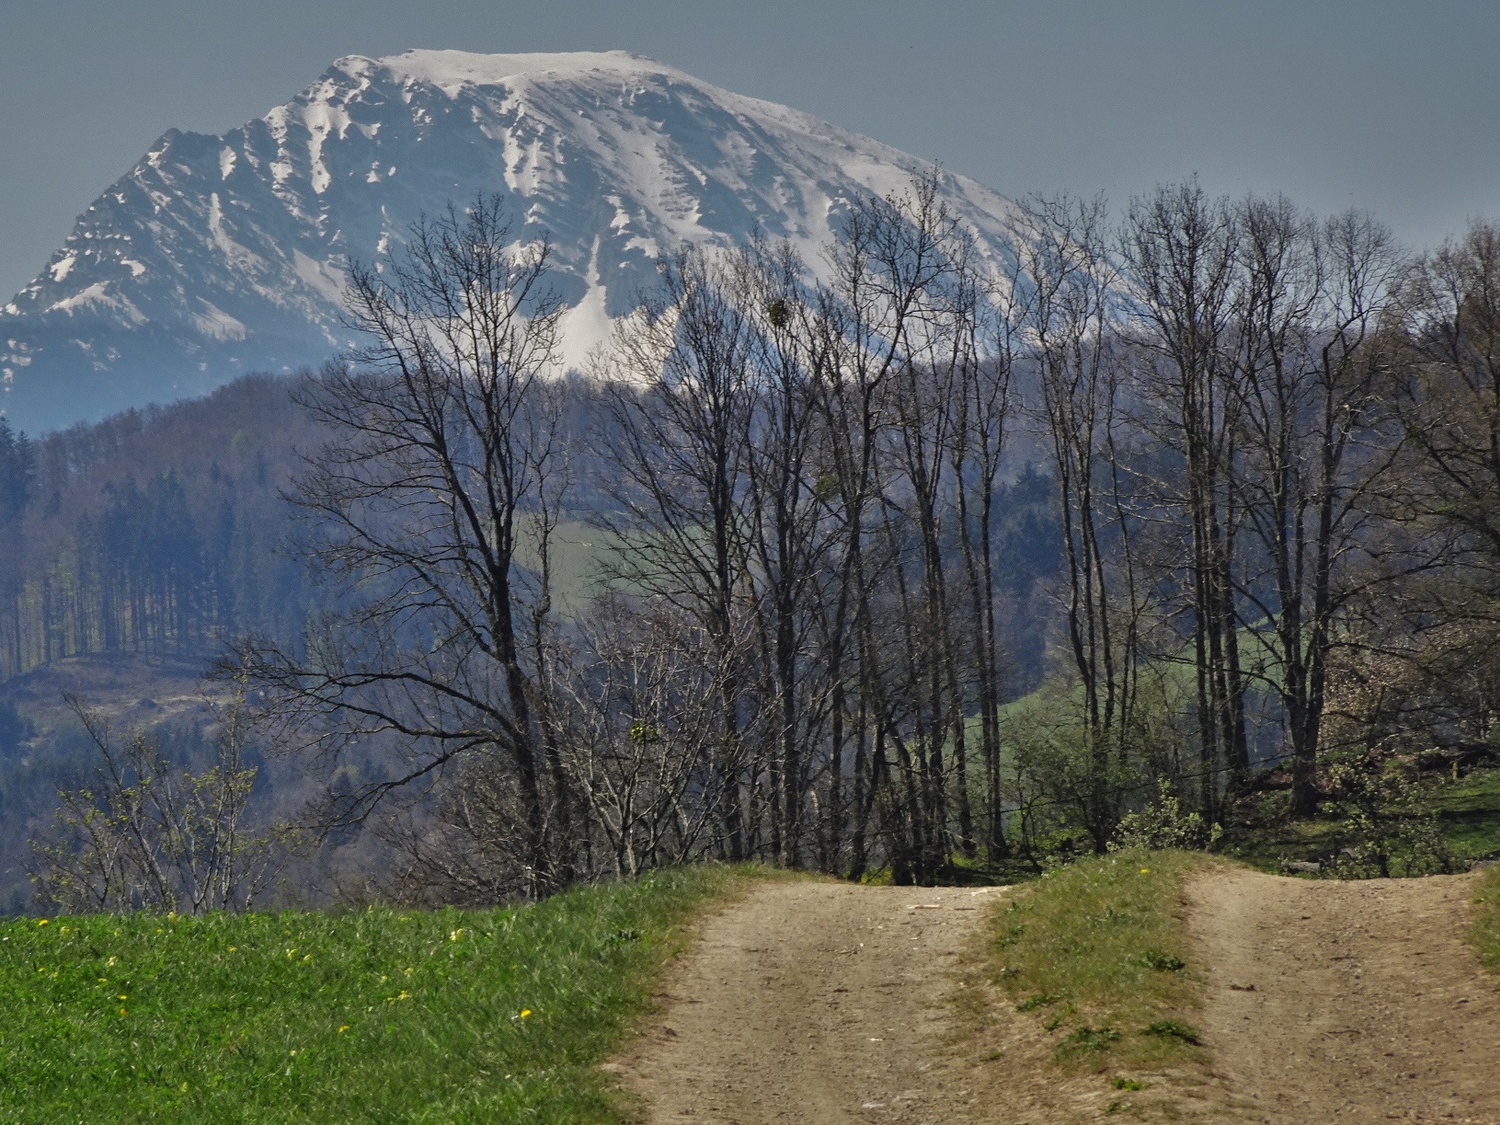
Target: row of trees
(1276,446)
(1273,443)
(156,532)
(1214,378)
(798,657)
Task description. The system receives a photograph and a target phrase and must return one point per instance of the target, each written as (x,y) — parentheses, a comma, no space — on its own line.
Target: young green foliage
(1485,932)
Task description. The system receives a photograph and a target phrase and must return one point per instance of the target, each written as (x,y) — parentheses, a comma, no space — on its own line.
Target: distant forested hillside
(165,532)
(156,532)
(141,547)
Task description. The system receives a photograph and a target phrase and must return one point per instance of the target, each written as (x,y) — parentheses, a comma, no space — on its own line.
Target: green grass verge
(1469,812)
(1098,952)
(374,1016)
(1485,931)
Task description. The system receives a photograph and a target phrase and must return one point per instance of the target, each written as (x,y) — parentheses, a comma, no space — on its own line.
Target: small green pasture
(1469,812)
(1466,813)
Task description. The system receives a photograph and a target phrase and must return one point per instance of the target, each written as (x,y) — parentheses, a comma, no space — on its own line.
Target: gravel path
(824,1003)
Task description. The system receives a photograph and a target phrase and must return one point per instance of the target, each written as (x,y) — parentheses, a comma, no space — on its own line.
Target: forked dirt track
(823,1003)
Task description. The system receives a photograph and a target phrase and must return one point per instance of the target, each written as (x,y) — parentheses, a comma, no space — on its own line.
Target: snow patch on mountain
(453,70)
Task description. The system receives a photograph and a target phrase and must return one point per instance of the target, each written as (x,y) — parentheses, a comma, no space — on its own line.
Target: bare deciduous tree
(443,441)
(1182,252)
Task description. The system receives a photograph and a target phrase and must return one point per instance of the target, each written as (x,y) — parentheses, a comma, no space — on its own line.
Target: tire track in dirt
(1331,1001)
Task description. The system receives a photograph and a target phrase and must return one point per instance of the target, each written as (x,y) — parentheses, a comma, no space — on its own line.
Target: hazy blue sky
(1390,106)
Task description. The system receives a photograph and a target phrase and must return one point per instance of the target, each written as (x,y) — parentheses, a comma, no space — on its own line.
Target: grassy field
(1469,812)
(370,1016)
(1098,952)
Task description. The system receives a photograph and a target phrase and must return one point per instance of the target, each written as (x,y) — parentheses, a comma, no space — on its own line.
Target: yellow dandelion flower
(525,1012)
(122,1011)
(343,1029)
(1145,871)
(41,921)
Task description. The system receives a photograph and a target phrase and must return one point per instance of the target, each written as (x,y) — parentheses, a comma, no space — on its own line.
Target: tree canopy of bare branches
(441,462)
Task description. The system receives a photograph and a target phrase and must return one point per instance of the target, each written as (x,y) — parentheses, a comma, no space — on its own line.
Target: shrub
(1163,824)
(1384,830)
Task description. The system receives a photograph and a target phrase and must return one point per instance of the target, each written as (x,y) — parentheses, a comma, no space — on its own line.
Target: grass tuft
(1163,962)
(1102,944)
(1088,1039)
(1174,1029)
(1032,1003)
(378,1015)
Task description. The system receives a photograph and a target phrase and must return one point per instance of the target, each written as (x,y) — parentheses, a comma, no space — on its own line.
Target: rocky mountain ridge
(217,255)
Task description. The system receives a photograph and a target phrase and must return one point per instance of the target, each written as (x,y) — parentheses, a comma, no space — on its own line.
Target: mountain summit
(217,255)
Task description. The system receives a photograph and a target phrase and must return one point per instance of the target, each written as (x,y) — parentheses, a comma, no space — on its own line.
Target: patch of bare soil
(131,691)
(1355,1002)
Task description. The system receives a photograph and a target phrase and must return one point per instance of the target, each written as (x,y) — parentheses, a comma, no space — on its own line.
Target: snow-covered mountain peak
(453,69)
(216,255)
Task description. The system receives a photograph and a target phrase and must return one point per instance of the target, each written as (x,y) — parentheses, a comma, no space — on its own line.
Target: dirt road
(1342,1002)
(824,1003)
(815,1002)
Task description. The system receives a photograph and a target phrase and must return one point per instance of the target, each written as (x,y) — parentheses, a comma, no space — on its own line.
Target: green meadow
(377,1015)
